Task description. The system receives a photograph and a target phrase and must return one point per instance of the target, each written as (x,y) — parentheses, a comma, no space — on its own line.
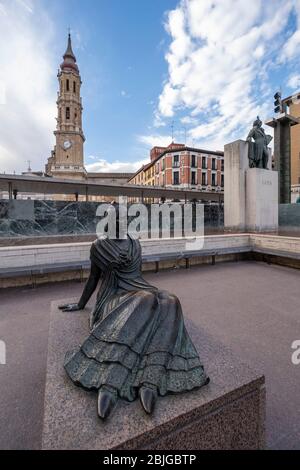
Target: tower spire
(69,51)
(69,57)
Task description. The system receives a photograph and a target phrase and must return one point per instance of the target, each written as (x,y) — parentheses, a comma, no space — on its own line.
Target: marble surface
(47,218)
(289,216)
(27,218)
(227,414)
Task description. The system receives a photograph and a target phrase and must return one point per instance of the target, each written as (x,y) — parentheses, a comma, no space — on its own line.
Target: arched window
(67,113)
(74,87)
(68,85)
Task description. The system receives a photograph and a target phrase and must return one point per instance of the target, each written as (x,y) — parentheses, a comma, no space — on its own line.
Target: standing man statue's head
(257,122)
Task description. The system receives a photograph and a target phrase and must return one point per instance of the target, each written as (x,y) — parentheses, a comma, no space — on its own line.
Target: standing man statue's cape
(258,152)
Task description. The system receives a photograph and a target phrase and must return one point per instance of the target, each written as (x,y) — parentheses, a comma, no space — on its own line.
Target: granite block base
(229,413)
(261,200)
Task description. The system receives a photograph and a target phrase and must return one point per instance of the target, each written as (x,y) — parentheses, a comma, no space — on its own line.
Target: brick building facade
(182,167)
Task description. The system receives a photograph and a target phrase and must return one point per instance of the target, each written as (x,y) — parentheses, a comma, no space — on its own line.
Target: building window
(204,179)
(213,164)
(163,165)
(204,162)
(222,165)
(222,181)
(68,85)
(193,177)
(176,161)
(193,162)
(74,87)
(213,179)
(175,177)
(67,113)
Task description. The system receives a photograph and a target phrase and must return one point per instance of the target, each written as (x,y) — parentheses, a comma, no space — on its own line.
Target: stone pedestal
(250,194)
(229,413)
(235,165)
(261,200)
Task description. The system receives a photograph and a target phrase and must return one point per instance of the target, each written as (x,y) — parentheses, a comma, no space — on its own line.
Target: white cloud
(27,75)
(155,140)
(124,94)
(219,60)
(102,165)
(291,47)
(294,81)
(27,4)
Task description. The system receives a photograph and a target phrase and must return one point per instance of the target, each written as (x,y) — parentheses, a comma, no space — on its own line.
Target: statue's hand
(69,307)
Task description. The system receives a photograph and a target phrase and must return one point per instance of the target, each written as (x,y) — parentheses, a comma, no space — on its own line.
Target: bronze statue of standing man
(258,153)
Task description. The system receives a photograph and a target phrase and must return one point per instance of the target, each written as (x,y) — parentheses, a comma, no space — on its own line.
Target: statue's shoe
(148,398)
(106,403)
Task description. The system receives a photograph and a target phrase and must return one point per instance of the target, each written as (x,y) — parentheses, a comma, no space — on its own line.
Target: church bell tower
(66,159)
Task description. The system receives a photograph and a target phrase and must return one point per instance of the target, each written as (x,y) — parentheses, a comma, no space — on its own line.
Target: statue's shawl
(121,269)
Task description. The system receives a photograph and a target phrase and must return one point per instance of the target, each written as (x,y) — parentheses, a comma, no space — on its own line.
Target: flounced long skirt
(139,339)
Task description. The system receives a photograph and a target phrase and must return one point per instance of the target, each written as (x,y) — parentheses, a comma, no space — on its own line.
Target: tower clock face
(67,144)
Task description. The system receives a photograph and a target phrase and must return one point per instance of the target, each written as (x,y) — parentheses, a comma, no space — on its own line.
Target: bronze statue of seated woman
(138,345)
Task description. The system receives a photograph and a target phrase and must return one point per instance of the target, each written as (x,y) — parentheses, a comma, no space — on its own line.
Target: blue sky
(211,66)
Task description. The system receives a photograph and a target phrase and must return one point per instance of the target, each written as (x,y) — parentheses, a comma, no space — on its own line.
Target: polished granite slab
(27,218)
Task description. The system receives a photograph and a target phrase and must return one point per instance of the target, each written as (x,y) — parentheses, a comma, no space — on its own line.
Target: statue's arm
(250,135)
(88,290)
(90,286)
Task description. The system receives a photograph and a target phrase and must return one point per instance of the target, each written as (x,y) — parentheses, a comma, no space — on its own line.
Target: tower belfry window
(67,113)
(68,84)
(74,87)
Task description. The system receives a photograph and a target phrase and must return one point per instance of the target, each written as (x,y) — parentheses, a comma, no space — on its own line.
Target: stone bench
(34,271)
(156,258)
(81,266)
(279,253)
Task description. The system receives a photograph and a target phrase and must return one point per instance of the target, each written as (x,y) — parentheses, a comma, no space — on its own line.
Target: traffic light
(277,102)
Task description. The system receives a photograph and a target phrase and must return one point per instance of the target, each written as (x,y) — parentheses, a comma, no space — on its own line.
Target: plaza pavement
(253,308)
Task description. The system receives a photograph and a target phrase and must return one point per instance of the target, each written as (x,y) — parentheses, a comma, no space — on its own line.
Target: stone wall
(19,218)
